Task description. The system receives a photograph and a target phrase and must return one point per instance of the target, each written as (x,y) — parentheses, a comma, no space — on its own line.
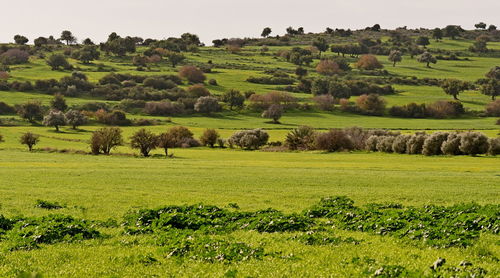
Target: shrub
(274,112)
(48,205)
(411,110)
(334,140)
(14,56)
(371,143)
(163,108)
(6,109)
(452,144)
(58,103)
(493,108)
(324,102)
(55,118)
(272,80)
(444,109)
(144,140)
(233,98)
(207,105)
(197,91)
(262,102)
(212,82)
(328,67)
(384,143)
(31,111)
(368,62)
(29,139)
(176,137)
(473,143)
(192,74)
(58,61)
(432,144)
(494,148)
(115,117)
(75,118)
(371,104)
(209,137)
(415,143)
(249,139)
(105,139)
(159,83)
(301,138)
(399,143)
(358,136)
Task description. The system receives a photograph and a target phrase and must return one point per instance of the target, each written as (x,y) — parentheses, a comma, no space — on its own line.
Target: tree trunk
(455,97)
(166,152)
(428,64)
(394,64)
(57,128)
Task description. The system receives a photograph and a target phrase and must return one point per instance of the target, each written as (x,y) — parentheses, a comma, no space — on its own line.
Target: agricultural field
(323,168)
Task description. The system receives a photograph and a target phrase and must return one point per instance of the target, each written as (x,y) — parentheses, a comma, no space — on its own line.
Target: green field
(102,190)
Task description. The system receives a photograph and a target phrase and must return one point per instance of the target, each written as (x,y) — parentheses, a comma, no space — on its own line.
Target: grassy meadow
(103,189)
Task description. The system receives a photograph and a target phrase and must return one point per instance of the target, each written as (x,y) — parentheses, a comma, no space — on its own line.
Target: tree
(452,31)
(54,118)
(75,118)
(321,45)
(249,139)
(68,37)
(21,40)
(209,137)
(175,58)
(207,105)
(192,74)
(423,41)
(31,111)
(328,67)
(437,34)
(371,104)
(492,28)
(300,72)
(105,139)
(274,112)
(177,136)
(395,56)
(58,103)
(166,141)
(368,62)
(87,54)
(427,58)
(57,61)
(480,25)
(494,73)
(453,87)
(88,41)
(29,139)
(266,32)
(144,140)
(233,98)
(491,87)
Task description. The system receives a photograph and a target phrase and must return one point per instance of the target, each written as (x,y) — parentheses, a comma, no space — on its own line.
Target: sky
(212,19)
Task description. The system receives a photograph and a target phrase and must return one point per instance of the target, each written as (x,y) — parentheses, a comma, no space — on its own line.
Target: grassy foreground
(99,188)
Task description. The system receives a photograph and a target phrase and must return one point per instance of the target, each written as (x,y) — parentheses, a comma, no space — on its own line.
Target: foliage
(368,62)
(55,118)
(29,139)
(144,140)
(207,105)
(192,74)
(31,111)
(209,137)
(58,61)
(334,140)
(371,104)
(274,112)
(105,139)
(301,138)
(249,139)
(75,118)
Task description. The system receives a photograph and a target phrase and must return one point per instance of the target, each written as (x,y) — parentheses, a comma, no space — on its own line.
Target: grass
(106,187)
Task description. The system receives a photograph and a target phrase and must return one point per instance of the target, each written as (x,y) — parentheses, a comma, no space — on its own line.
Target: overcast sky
(212,19)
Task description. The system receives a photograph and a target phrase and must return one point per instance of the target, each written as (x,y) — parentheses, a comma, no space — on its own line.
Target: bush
(368,62)
(271,80)
(192,74)
(334,140)
(301,138)
(207,105)
(6,109)
(209,137)
(55,118)
(358,136)
(444,109)
(384,143)
(177,137)
(371,143)
(494,148)
(493,108)
(411,110)
(324,102)
(249,139)
(115,117)
(328,67)
(144,140)
(371,104)
(400,142)
(415,143)
(163,108)
(432,144)
(14,56)
(262,102)
(105,139)
(274,112)
(58,61)
(473,143)
(452,144)
(159,83)
(233,98)
(31,111)
(29,139)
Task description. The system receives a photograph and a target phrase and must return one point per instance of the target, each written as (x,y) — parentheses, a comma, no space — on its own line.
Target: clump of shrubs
(249,139)
(209,137)
(334,140)
(493,108)
(439,109)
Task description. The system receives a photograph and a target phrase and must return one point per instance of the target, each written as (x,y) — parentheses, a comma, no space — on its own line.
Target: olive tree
(233,98)
(453,87)
(55,118)
(274,112)
(29,139)
(395,56)
(207,104)
(427,58)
